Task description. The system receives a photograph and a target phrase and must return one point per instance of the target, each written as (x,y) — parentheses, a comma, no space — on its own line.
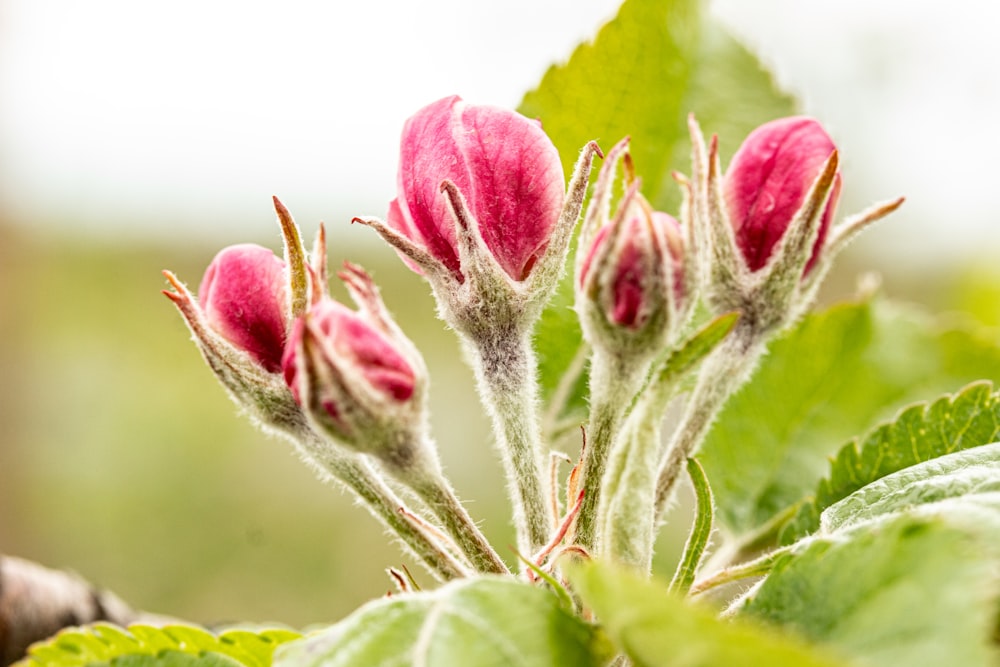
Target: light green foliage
(835,375)
(655,628)
(920,433)
(646,70)
(692,351)
(480,622)
(915,592)
(145,646)
(701,530)
(964,486)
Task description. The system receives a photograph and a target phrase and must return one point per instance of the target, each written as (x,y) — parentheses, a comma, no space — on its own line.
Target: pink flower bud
(505,167)
(362,367)
(767,182)
(635,265)
(244,298)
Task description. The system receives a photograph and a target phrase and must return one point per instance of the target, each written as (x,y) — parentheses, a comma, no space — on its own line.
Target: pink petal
(767,182)
(361,349)
(429,154)
(243,295)
(517,184)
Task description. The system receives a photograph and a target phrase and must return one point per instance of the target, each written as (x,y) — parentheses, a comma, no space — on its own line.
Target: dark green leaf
(657,629)
(468,623)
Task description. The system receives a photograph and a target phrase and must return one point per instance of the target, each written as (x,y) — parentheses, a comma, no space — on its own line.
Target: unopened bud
(631,286)
(244,298)
(767,183)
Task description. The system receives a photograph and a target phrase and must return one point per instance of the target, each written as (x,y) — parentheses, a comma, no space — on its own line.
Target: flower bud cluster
(483,213)
(361,380)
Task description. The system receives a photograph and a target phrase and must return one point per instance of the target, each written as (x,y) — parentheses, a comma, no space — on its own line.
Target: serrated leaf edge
(851,453)
(102,642)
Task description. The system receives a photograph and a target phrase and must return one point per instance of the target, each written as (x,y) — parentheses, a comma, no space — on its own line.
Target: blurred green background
(122,459)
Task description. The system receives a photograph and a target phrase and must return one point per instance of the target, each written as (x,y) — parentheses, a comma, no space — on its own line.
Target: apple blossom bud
(767,183)
(505,167)
(342,362)
(631,283)
(630,295)
(244,298)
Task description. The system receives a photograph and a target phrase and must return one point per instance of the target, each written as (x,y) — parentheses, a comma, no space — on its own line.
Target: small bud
(244,297)
(360,366)
(631,287)
(630,295)
(242,315)
(767,183)
(358,378)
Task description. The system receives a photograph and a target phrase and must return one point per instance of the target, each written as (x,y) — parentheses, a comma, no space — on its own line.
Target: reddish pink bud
(356,353)
(244,298)
(635,271)
(504,165)
(767,182)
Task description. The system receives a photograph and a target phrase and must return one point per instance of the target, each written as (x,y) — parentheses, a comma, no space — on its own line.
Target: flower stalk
(505,373)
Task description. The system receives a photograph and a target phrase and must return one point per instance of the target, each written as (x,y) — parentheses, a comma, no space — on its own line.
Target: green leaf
(966,481)
(103,644)
(655,628)
(914,592)
(837,374)
(647,69)
(468,623)
(701,530)
(919,433)
(679,361)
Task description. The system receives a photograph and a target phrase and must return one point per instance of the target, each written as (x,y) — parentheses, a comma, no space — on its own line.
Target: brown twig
(36,602)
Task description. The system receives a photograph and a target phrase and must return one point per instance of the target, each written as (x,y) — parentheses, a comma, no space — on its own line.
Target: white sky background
(154,119)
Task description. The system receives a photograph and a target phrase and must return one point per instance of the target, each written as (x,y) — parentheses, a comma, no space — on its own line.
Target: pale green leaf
(481,622)
(658,629)
(947,485)
(837,374)
(103,644)
(645,71)
(913,592)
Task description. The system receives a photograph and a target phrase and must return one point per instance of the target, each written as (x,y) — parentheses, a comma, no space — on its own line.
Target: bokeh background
(137,136)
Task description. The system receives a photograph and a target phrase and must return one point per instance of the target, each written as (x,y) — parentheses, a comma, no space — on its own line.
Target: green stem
(383,503)
(725,370)
(613,383)
(625,513)
(752,568)
(506,374)
(441,499)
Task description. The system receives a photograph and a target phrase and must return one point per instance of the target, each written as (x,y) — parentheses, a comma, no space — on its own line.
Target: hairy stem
(725,370)
(613,382)
(626,511)
(441,499)
(509,389)
(383,503)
